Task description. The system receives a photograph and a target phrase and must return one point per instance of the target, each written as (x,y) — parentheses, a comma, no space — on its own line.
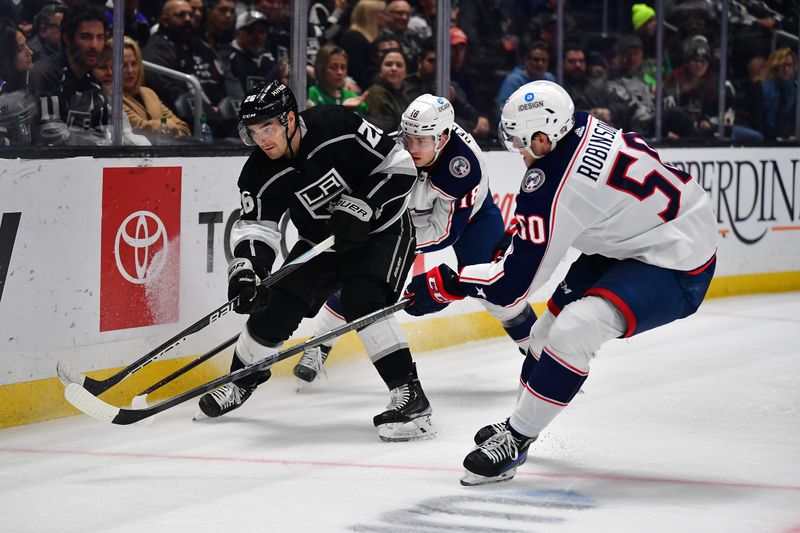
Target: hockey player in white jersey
(647,236)
(451,205)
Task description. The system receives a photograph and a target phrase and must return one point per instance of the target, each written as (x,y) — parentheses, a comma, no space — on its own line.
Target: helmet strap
(289,138)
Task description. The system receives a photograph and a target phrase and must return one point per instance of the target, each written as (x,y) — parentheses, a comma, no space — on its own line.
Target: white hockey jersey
(449,193)
(601,191)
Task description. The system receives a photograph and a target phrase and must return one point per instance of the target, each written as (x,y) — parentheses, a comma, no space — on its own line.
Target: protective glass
(252,134)
(418,143)
(511,142)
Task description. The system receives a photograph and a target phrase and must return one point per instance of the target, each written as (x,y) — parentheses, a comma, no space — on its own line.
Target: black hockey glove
(243,282)
(433,291)
(505,241)
(350,222)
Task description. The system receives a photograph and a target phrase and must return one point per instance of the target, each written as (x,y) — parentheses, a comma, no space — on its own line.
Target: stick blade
(67,374)
(90,404)
(138,403)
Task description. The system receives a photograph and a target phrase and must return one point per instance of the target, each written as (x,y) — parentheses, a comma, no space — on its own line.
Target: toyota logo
(148,231)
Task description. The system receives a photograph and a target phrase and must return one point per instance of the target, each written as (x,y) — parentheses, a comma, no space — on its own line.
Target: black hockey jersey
(340,152)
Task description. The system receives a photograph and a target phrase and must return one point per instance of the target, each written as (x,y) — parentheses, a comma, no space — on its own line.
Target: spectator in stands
(751,24)
(424,82)
(47,31)
(537,59)
(137,26)
(72,104)
(176,46)
(330,69)
(221,19)
(19,112)
(142,105)
(628,91)
(643,18)
(692,90)
(775,96)
(691,17)
(398,13)
(386,98)
(588,93)
(364,29)
(103,72)
(543,26)
(458,56)
(377,48)
(199,19)
(278,26)
(247,55)
(422,21)
(492,52)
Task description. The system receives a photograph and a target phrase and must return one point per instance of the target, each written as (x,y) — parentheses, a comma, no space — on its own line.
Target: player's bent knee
(275,327)
(382,338)
(581,328)
(250,349)
(363,295)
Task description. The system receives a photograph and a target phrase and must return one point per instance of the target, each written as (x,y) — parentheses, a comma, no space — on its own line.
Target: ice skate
(495,460)
(487,432)
(408,415)
(310,365)
(223,400)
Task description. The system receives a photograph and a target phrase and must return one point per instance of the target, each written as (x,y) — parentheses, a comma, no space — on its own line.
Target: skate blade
(200,416)
(417,429)
(474,480)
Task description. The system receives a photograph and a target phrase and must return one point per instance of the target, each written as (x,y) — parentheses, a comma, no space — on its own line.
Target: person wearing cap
(249,59)
(690,96)
(643,18)
(628,90)
(458,61)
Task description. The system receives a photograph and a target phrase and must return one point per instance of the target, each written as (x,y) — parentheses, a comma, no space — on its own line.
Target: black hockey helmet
(263,102)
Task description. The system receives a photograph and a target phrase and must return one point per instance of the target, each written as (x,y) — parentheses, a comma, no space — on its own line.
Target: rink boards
(103,259)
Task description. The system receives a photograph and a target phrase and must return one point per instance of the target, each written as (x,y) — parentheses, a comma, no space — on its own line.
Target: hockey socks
(551,385)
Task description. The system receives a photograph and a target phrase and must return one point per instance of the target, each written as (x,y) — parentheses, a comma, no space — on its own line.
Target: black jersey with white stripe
(340,152)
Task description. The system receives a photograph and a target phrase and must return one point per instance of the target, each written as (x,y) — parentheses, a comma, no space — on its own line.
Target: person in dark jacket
(72,104)
(386,98)
(175,45)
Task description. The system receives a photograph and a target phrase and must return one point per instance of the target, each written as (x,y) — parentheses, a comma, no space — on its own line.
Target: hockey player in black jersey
(336,174)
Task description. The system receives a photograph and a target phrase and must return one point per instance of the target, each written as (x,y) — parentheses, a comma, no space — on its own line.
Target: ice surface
(692,427)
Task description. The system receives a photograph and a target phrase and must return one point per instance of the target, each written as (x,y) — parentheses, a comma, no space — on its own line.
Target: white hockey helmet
(428,115)
(538,106)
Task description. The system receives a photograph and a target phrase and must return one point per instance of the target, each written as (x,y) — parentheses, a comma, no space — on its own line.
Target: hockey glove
(350,222)
(505,241)
(243,282)
(433,291)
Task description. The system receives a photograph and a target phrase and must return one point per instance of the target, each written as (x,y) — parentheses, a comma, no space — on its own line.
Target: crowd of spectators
(375,56)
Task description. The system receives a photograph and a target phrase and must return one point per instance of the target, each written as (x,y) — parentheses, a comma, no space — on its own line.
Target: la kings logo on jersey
(316,197)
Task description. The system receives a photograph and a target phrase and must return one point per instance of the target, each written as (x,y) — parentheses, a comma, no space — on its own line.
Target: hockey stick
(97,408)
(68,375)
(139,399)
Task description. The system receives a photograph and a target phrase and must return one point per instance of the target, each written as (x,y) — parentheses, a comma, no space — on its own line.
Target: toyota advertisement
(139,247)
